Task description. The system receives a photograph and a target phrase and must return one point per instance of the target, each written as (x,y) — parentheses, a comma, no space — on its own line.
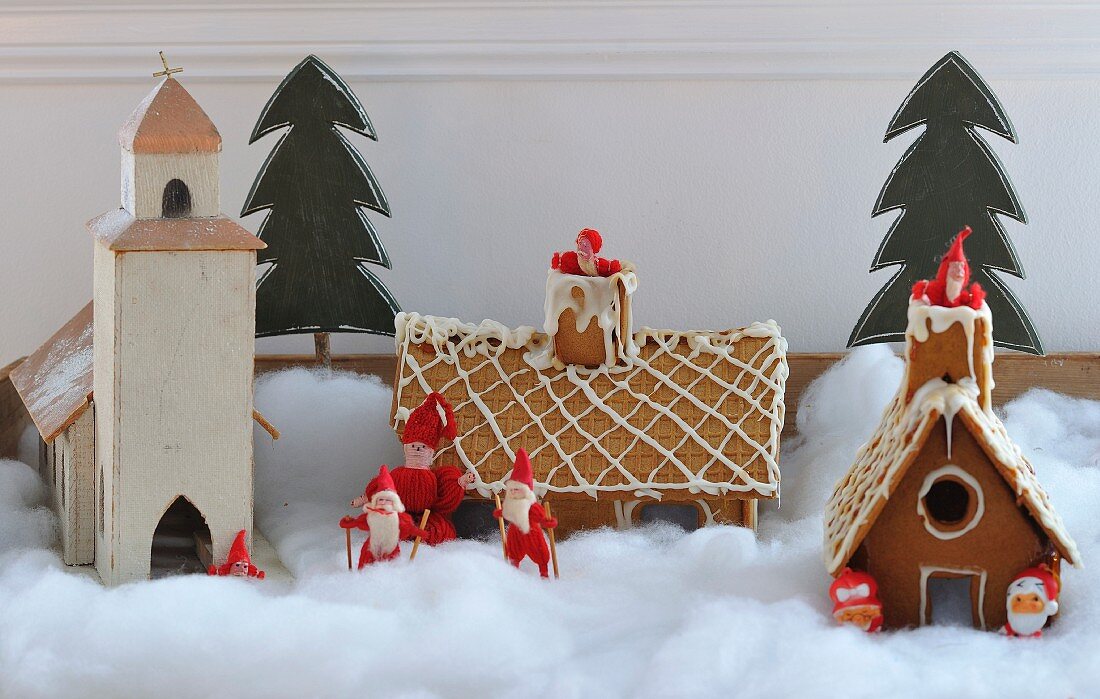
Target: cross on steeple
(167,70)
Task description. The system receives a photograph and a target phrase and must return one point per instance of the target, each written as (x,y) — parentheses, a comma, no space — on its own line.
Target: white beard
(953,288)
(588,265)
(1027,624)
(515,511)
(384,533)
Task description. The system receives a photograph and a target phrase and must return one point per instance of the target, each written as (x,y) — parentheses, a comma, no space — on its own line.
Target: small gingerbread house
(613,419)
(167,350)
(940,493)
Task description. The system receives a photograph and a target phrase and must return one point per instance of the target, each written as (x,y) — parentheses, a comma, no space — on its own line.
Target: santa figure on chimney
(385,518)
(421,487)
(1032,599)
(238,564)
(855,600)
(949,287)
(525,517)
(583,260)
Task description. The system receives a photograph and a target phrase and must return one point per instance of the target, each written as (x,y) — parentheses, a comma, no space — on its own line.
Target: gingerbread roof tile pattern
(55,382)
(693,413)
(882,462)
(169,120)
(121,232)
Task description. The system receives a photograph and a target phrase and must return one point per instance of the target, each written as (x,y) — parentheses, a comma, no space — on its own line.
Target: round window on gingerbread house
(950,502)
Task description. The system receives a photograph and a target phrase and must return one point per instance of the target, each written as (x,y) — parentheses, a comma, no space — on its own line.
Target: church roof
(169,120)
(55,382)
(120,231)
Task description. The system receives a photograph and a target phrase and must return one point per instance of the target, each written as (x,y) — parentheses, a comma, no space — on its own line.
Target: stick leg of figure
(348,532)
(553,545)
(416,543)
(503,534)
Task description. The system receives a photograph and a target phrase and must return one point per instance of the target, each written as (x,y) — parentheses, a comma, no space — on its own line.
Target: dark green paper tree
(315,185)
(948,178)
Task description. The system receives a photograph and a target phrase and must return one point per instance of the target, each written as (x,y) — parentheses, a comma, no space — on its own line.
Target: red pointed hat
(521,472)
(955,254)
(430,421)
(383,481)
(593,237)
(238,552)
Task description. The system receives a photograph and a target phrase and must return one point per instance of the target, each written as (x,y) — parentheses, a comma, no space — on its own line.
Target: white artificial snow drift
(652,612)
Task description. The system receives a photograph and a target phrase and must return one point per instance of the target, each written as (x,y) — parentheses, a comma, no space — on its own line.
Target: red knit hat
(238,553)
(431,420)
(521,472)
(955,254)
(593,237)
(383,481)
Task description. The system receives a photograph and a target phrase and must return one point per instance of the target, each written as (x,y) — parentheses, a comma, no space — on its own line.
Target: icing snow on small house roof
(693,412)
(120,231)
(169,120)
(55,383)
(882,462)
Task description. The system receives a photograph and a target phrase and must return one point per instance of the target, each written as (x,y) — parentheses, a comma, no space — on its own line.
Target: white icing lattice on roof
(700,412)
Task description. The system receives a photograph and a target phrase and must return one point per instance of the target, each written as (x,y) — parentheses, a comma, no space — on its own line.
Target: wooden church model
(167,350)
(940,492)
(614,419)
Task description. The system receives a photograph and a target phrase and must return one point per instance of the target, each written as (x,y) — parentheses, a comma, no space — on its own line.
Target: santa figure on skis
(525,518)
(385,519)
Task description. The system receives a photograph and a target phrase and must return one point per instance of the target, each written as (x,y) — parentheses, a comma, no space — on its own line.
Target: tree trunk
(322,349)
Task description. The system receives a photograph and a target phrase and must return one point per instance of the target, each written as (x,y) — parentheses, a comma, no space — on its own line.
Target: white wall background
(733,150)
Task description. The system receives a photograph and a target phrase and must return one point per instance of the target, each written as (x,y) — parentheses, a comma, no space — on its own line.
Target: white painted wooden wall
(732,149)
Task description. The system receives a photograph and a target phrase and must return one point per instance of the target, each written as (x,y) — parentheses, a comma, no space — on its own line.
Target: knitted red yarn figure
(949,287)
(238,563)
(583,260)
(385,518)
(525,517)
(422,487)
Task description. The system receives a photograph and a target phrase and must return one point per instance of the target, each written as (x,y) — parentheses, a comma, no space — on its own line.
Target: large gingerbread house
(940,492)
(613,419)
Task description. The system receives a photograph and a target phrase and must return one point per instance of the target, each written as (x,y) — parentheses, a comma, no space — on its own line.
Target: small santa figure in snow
(421,487)
(1032,599)
(583,261)
(949,287)
(525,517)
(238,564)
(855,600)
(385,518)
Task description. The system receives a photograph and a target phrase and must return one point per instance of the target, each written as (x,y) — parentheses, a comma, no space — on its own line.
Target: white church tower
(174,318)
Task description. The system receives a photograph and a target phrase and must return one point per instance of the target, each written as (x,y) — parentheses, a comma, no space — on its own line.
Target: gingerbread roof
(169,120)
(120,231)
(55,382)
(696,413)
(882,462)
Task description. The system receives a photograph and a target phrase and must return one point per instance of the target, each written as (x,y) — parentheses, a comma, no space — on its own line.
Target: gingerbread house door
(952,595)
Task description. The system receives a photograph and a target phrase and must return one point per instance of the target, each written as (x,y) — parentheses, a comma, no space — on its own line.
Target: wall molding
(549,39)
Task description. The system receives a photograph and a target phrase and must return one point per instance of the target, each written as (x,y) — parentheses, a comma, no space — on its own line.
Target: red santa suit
(238,563)
(855,600)
(438,488)
(1032,600)
(936,289)
(572,263)
(387,527)
(526,520)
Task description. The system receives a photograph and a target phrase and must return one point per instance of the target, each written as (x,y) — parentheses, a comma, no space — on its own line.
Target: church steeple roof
(169,120)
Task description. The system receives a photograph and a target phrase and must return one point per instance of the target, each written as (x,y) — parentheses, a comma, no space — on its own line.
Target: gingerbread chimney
(588,319)
(952,344)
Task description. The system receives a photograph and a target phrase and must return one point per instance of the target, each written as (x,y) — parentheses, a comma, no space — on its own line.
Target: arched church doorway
(180,535)
(176,201)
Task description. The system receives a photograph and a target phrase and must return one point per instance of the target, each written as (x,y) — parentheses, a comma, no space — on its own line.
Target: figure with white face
(238,564)
(949,288)
(385,519)
(583,260)
(1032,599)
(525,517)
(855,600)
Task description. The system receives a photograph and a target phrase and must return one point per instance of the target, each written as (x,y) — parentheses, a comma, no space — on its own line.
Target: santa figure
(949,287)
(238,563)
(385,518)
(583,261)
(421,487)
(855,600)
(1032,599)
(526,519)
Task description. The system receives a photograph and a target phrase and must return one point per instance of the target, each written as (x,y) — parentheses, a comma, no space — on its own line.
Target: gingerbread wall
(1004,542)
